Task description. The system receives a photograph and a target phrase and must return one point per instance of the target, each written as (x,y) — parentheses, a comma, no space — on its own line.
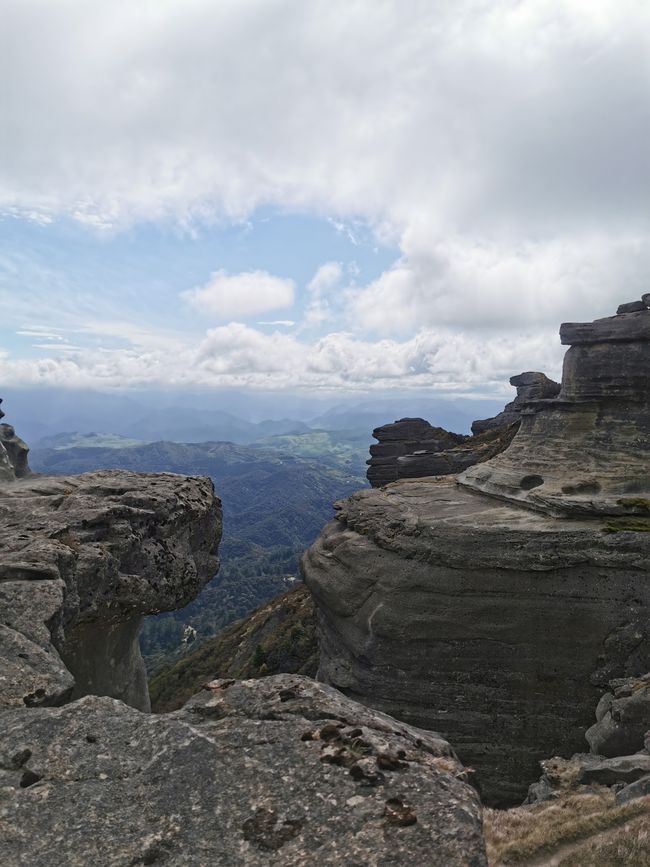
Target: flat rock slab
(273,771)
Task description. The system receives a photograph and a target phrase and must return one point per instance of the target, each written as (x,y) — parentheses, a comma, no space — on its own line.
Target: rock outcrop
(586,451)
(497,625)
(82,559)
(412,448)
(405,437)
(13,454)
(530,385)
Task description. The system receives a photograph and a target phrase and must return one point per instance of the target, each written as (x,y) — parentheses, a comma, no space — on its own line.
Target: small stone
(398,813)
(389,762)
(329,731)
(28,779)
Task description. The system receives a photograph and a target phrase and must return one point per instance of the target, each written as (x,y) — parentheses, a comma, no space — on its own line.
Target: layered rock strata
(530,385)
(13,454)
(412,448)
(82,559)
(497,625)
(405,437)
(273,771)
(586,451)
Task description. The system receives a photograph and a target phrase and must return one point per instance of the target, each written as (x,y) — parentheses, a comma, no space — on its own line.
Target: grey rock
(627,328)
(273,771)
(405,437)
(492,624)
(621,769)
(638,789)
(623,718)
(13,453)
(630,307)
(646,299)
(530,385)
(82,559)
(586,451)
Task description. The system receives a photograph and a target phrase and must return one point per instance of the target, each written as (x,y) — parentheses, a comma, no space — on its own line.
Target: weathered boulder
(82,559)
(497,625)
(623,718)
(274,771)
(13,454)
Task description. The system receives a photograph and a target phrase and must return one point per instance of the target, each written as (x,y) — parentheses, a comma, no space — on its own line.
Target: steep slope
(278,637)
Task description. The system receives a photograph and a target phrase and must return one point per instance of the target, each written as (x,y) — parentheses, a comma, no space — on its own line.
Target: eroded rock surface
(412,448)
(13,454)
(586,451)
(405,437)
(82,559)
(500,626)
(497,626)
(530,385)
(274,771)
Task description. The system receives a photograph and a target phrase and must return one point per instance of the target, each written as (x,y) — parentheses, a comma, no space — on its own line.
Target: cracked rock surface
(273,771)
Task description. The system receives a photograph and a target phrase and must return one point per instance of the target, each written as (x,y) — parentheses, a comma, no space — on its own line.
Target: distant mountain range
(227,416)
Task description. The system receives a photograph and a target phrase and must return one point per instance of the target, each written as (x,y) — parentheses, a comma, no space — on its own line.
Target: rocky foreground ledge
(274,771)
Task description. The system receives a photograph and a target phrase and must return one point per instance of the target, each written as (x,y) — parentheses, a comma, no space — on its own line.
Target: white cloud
(501,145)
(472,284)
(237,355)
(321,291)
(245,294)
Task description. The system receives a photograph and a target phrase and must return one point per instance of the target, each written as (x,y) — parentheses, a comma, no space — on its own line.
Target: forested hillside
(274,504)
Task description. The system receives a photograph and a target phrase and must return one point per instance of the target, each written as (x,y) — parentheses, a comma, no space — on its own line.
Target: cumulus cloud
(245,294)
(320,292)
(238,355)
(501,145)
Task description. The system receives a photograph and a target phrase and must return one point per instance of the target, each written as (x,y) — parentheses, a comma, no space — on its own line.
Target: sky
(329,196)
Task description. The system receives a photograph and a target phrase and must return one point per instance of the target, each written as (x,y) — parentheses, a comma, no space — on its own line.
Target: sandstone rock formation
(82,558)
(412,448)
(404,437)
(497,625)
(273,771)
(530,385)
(13,454)
(585,452)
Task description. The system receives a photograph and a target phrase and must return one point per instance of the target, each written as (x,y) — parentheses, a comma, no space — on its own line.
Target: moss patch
(627,525)
(641,504)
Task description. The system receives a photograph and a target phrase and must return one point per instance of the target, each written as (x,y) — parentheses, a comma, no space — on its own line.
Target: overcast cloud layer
(501,146)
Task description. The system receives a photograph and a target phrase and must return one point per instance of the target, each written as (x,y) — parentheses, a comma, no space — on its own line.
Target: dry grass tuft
(527,834)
